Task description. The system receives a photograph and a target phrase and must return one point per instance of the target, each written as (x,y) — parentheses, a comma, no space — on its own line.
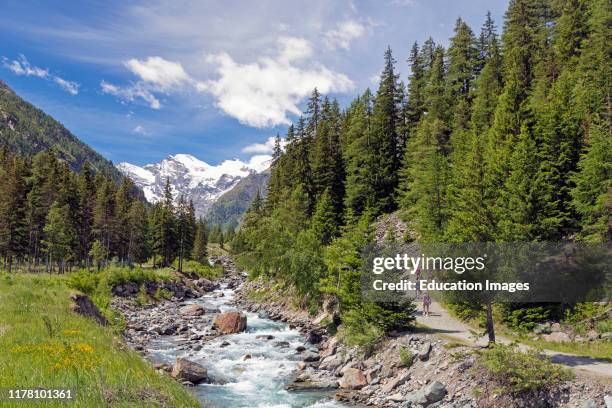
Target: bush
(525,319)
(406,357)
(357,331)
(84,281)
(521,372)
(203,270)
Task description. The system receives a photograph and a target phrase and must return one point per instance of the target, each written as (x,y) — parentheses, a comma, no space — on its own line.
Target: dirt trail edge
(442,323)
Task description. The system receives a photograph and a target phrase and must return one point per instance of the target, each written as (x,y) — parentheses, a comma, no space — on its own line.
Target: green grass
(216,250)
(44,344)
(596,349)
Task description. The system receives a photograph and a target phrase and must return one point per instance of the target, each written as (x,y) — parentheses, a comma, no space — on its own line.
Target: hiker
(426,303)
(417,277)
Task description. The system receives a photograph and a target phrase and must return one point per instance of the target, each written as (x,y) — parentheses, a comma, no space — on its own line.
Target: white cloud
(343,34)
(264,92)
(131,93)
(22,66)
(263,148)
(403,2)
(140,130)
(160,72)
(157,75)
(69,86)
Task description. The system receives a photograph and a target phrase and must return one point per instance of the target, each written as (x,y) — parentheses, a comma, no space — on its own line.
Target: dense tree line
(495,138)
(53,218)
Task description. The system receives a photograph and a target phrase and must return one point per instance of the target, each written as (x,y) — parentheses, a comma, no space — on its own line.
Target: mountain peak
(192,178)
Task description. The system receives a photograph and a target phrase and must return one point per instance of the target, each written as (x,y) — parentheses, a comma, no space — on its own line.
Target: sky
(141,80)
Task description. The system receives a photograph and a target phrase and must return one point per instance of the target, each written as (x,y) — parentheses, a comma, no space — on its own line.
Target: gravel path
(442,323)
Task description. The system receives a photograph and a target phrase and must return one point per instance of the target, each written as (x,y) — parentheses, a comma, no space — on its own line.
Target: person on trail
(417,278)
(426,303)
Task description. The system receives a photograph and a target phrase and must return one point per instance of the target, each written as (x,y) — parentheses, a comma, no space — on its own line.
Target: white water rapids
(257,382)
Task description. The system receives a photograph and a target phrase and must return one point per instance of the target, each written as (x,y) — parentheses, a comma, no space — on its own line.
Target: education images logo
(434,265)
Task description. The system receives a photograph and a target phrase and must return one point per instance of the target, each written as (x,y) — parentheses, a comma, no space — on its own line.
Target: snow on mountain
(196,180)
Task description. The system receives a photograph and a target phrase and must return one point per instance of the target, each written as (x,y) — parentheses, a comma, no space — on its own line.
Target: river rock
(331,348)
(314,337)
(352,379)
(206,285)
(189,371)
(427,395)
(230,322)
(192,310)
(394,382)
(424,351)
(281,344)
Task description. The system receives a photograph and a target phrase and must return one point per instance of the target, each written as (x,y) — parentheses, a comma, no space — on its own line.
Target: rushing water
(255,382)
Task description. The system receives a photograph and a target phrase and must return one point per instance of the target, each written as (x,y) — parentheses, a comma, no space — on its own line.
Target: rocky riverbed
(235,352)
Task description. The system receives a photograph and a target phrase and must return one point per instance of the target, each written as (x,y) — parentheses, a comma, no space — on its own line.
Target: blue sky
(139,81)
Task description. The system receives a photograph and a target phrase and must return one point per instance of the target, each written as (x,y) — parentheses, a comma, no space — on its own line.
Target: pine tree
(58,236)
(138,250)
(324,220)
(200,247)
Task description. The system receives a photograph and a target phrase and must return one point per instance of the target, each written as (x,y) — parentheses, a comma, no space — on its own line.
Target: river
(257,381)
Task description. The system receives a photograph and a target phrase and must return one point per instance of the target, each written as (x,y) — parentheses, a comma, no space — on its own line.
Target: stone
(592,335)
(394,382)
(264,336)
(189,371)
(225,344)
(300,349)
(331,348)
(428,395)
(247,357)
(301,365)
(230,322)
(557,337)
(314,337)
(353,379)
(310,357)
(81,304)
(395,397)
(281,344)
(424,351)
(555,327)
(192,310)
(542,328)
(169,329)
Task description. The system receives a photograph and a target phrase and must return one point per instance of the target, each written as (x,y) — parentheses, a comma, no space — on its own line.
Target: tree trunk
(490,326)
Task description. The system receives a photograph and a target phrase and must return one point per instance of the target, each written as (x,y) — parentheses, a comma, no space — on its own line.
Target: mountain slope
(27,130)
(194,179)
(229,207)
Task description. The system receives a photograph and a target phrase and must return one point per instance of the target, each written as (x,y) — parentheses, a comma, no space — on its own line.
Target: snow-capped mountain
(194,179)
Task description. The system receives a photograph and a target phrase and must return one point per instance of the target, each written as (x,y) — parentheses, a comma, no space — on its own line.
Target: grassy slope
(45,345)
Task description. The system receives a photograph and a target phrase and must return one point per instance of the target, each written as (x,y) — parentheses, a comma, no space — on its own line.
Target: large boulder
(206,285)
(192,310)
(230,322)
(428,395)
(189,371)
(352,379)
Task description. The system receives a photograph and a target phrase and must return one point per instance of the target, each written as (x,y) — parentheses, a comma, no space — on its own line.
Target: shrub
(406,357)
(84,281)
(525,319)
(521,372)
(357,331)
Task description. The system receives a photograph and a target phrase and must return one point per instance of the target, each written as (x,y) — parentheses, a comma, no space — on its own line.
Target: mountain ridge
(195,179)
(28,130)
